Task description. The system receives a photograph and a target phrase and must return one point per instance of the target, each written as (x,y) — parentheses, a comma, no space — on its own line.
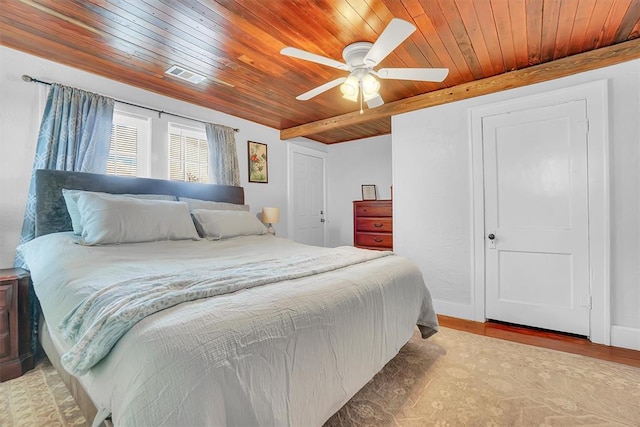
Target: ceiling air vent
(184,74)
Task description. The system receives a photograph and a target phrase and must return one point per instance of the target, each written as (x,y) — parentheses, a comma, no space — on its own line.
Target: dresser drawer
(375,210)
(374,224)
(377,240)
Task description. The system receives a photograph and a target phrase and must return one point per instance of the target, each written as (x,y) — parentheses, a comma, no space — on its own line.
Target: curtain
(223,155)
(74,136)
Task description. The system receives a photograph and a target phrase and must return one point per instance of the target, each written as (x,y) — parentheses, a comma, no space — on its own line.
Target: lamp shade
(270,215)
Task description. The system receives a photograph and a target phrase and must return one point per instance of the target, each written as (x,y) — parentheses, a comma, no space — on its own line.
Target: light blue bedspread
(98,322)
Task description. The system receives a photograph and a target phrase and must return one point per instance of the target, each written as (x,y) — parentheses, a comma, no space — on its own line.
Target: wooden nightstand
(15,324)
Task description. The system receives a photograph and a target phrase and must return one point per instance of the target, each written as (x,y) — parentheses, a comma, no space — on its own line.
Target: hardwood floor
(546,339)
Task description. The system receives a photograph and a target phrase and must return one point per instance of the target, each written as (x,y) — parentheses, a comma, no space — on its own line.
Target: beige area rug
(38,398)
(460,379)
(452,379)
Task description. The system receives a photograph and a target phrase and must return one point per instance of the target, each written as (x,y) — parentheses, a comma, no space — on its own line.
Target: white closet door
(536,217)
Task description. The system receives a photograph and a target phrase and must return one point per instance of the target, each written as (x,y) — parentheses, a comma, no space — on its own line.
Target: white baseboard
(622,336)
(453,309)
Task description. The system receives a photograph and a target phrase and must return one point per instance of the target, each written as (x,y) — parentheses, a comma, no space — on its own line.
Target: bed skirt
(84,402)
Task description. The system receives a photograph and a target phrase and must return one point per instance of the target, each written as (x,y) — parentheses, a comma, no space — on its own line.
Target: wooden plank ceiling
(236,45)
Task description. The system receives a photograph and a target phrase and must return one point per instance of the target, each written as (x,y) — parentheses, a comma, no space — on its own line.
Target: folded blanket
(97,323)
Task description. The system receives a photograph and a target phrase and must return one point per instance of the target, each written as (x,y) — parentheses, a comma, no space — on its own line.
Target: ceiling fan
(360,60)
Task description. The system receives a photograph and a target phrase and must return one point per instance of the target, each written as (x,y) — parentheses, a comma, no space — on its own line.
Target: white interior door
(536,217)
(307,182)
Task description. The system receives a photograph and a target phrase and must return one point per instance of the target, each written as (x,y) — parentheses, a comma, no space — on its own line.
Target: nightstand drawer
(374,224)
(6,307)
(374,239)
(6,297)
(5,342)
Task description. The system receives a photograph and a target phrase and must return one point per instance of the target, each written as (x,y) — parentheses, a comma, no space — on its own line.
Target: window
(188,154)
(128,147)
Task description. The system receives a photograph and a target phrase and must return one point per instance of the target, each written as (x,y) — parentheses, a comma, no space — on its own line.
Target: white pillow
(216,225)
(71,200)
(110,219)
(214,206)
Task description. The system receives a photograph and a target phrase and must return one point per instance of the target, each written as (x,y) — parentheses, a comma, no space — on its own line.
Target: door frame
(596,95)
(292,149)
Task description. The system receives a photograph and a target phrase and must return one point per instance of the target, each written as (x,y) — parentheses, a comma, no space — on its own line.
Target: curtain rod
(160,112)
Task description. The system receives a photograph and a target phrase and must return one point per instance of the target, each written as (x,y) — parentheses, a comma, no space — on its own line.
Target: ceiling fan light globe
(370,87)
(350,88)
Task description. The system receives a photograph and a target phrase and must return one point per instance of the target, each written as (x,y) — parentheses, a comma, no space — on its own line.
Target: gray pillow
(108,219)
(216,225)
(71,200)
(214,206)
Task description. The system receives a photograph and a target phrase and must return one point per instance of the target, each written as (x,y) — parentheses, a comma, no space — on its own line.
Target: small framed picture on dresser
(369,192)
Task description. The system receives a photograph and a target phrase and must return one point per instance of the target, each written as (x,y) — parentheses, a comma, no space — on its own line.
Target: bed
(286,334)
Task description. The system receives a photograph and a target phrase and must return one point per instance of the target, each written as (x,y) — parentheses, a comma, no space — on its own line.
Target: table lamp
(270,216)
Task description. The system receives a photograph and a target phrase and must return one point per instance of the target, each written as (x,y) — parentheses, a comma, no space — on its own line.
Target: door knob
(491,236)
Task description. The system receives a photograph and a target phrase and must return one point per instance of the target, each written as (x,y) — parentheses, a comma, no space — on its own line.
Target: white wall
(351,164)
(432,190)
(432,203)
(20,114)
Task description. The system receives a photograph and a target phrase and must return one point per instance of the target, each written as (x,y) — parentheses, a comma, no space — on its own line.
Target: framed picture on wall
(369,192)
(258,162)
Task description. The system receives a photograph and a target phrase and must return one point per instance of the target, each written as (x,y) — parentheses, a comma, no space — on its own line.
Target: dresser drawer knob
(377,225)
(377,239)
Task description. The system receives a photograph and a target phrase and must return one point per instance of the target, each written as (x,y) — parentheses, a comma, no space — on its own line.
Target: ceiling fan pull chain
(361,96)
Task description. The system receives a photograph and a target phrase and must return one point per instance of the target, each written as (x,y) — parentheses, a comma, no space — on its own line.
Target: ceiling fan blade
(308,56)
(422,74)
(396,32)
(375,102)
(317,91)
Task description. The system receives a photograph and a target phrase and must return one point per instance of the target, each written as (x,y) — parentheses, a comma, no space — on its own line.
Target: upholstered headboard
(51,210)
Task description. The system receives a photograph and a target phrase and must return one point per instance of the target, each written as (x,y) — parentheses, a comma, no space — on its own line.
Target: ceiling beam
(563,67)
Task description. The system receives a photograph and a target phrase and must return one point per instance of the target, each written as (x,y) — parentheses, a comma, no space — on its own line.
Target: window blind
(188,155)
(123,150)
